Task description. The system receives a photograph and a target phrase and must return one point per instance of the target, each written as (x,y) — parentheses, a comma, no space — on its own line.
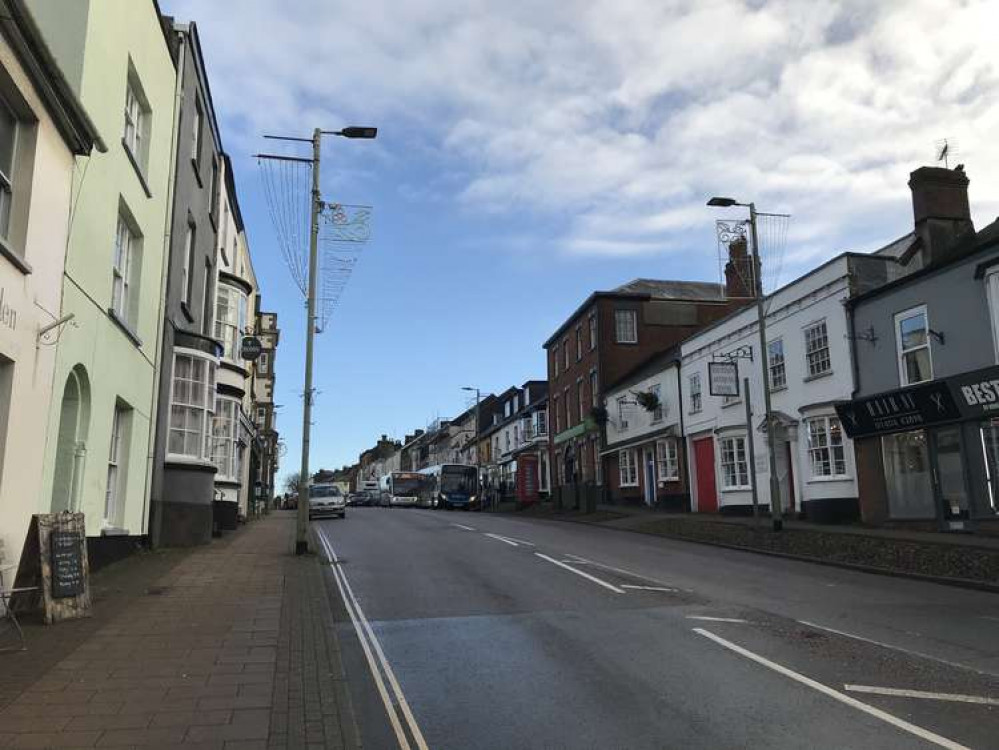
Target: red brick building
(609,335)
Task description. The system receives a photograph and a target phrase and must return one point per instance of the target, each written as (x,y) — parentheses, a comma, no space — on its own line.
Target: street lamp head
(356,131)
(468,388)
(722,202)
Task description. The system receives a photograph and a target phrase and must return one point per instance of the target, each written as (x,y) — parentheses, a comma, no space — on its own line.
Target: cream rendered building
(98,458)
(43,128)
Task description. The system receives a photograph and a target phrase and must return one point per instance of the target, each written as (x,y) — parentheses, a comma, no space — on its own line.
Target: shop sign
(977,393)
(723,379)
(896,411)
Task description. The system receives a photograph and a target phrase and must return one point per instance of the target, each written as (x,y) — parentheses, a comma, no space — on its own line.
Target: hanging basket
(647,400)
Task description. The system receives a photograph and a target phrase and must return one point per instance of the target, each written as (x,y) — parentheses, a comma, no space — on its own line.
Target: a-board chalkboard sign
(54,571)
(67,563)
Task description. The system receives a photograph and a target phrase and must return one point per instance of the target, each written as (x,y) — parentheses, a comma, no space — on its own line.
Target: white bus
(400,489)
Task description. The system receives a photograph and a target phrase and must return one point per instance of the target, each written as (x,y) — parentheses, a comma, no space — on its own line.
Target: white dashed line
(647,588)
(716,619)
(498,538)
(462,526)
(877,713)
(578,572)
(953,697)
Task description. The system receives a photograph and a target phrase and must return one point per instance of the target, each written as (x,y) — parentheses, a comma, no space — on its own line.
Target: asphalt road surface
(470,631)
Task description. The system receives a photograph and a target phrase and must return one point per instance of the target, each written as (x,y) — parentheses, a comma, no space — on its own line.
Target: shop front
(928,455)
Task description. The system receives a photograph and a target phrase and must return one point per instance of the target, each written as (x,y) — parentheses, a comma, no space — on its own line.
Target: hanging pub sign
(250,348)
(723,378)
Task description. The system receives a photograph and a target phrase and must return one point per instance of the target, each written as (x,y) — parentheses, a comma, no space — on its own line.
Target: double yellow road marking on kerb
(396,705)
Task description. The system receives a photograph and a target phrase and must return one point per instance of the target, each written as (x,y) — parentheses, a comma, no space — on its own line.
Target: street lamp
(478,449)
(775,503)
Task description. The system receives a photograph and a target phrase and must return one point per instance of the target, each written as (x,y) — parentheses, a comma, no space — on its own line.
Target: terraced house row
(126,286)
(883,370)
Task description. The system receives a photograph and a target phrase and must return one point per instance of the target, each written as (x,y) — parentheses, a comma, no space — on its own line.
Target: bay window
(666,458)
(627,466)
(230,318)
(225,437)
(826,451)
(191,406)
(734,467)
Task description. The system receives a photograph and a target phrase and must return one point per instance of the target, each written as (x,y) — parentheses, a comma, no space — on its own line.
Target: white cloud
(620,117)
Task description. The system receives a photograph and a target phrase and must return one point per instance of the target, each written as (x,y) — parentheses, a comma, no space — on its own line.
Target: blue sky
(528,155)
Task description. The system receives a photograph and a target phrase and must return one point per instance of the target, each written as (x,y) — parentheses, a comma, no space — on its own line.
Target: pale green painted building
(97,459)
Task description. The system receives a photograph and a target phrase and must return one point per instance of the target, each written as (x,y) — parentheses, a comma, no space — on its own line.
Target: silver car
(325,501)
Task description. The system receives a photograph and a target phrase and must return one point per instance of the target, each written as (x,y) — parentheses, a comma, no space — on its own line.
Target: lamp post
(478,450)
(775,501)
(302,526)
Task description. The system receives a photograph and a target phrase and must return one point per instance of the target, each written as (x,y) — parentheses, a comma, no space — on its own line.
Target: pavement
(467,630)
(226,646)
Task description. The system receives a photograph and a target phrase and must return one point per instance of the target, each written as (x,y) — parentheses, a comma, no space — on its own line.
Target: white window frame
(626,326)
(627,468)
(122,265)
(992,293)
(197,128)
(565,354)
(205,409)
(581,401)
(558,418)
(264,363)
(231,300)
(579,342)
(113,489)
(134,115)
(822,448)
(696,395)
(622,413)
(225,437)
(900,351)
(659,413)
(541,422)
(776,364)
(185,277)
(7,177)
(817,351)
(555,361)
(594,390)
(667,461)
(593,331)
(739,463)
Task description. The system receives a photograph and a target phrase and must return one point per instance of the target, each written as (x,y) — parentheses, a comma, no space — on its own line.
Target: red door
(704,457)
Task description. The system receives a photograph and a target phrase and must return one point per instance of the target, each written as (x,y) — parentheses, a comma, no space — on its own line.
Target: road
(468,630)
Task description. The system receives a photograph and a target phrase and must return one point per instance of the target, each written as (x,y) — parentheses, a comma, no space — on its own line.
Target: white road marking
(515,539)
(715,619)
(578,572)
(954,697)
(362,628)
(499,538)
(647,588)
(623,571)
(877,713)
(463,526)
(910,652)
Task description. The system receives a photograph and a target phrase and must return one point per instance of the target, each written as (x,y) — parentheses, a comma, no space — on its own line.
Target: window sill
(729,404)
(16,260)
(138,170)
(827,480)
(778,389)
(809,378)
(114,531)
(193,462)
(125,327)
(197,172)
(627,343)
(187,312)
(747,488)
(625,486)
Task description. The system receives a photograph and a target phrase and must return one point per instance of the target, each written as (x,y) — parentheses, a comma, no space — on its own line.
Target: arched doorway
(71,450)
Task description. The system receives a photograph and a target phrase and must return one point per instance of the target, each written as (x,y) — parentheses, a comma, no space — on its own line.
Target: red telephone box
(527,479)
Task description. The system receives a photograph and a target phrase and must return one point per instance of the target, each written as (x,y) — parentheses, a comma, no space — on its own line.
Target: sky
(530,153)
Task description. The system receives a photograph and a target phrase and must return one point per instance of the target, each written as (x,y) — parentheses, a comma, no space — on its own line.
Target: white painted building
(810,365)
(643,458)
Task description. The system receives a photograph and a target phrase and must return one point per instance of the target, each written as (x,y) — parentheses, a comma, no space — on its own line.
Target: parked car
(326,500)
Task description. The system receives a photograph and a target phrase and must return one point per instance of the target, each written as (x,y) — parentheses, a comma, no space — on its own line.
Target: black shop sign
(897,411)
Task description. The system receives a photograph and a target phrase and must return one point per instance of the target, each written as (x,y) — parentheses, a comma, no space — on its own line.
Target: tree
(292,481)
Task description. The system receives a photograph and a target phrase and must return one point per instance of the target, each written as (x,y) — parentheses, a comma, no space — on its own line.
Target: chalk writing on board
(67,564)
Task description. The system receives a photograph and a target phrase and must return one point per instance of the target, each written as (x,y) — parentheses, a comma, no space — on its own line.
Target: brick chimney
(739,271)
(940,210)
